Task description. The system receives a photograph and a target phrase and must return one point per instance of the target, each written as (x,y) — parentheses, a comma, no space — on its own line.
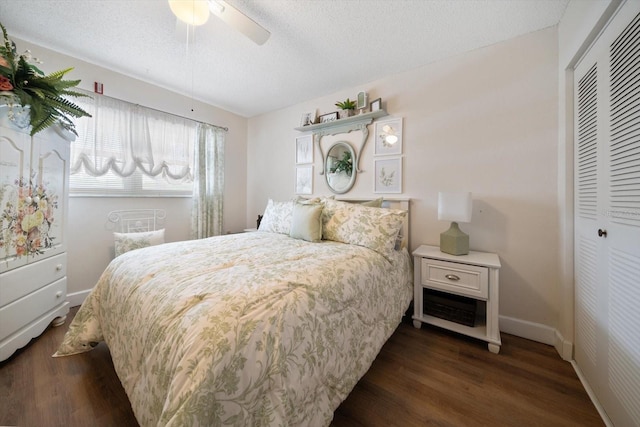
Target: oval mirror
(339,171)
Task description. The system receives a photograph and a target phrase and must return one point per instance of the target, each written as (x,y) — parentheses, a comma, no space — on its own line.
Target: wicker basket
(455,308)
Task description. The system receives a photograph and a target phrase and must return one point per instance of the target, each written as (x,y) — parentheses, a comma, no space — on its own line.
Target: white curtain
(122,137)
(208,183)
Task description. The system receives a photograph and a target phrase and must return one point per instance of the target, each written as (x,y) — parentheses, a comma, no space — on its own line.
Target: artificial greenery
(23,83)
(346,105)
(345,164)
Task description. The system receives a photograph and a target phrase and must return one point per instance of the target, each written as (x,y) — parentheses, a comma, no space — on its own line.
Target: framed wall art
(308,118)
(388,137)
(388,175)
(304,149)
(304,179)
(375,105)
(329,117)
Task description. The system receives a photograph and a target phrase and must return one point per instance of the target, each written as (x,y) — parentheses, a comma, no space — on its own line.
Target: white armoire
(34,186)
(607,216)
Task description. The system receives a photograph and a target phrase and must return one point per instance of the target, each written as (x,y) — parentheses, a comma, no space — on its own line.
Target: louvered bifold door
(607,233)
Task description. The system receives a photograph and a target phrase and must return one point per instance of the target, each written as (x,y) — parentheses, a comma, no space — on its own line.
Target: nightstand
(471,278)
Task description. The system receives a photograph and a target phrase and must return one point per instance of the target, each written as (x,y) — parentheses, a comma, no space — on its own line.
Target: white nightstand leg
(417,324)
(494,348)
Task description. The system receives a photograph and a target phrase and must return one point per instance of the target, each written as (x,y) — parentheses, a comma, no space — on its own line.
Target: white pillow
(277,217)
(373,228)
(306,222)
(125,242)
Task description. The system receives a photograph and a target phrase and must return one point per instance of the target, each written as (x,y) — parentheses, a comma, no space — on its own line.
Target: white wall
(90,244)
(485,122)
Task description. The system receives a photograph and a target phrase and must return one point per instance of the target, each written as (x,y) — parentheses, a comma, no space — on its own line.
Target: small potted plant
(346,108)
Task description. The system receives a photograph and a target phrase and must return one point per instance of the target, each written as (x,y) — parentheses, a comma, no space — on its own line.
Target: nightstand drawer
(461,279)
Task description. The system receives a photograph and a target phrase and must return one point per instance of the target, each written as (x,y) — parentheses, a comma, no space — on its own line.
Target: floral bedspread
(247,329)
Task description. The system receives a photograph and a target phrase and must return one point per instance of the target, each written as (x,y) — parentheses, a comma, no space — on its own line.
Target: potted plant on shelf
(346,108)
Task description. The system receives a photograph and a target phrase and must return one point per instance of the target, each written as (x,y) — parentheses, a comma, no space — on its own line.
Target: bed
(257,328)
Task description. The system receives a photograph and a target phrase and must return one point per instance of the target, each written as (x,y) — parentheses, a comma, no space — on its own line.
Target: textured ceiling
(317,47)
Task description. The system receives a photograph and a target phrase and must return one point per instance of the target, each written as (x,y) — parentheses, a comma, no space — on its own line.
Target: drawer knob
(452,277)
(58,294)
(58,267)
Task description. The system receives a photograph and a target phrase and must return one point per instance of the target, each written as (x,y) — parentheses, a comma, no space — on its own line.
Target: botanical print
(388,137)
(304,180)
(304,149)
(388,178)
(25,227)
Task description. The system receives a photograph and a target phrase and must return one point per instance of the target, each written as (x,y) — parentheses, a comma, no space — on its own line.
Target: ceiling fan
(196,12)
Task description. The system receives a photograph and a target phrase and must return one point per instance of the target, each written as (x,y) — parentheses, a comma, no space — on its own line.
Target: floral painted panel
(25,222)
(248,329)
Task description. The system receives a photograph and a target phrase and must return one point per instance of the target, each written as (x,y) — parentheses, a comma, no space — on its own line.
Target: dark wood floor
(422,377)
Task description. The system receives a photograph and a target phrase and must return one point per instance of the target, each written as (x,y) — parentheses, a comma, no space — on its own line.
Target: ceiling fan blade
(238,20)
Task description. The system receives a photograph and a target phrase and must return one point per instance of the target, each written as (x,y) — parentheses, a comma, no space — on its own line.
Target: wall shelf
(353,123)
(337,125)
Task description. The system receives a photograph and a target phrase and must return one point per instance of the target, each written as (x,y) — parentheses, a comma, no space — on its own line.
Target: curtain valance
(122,137)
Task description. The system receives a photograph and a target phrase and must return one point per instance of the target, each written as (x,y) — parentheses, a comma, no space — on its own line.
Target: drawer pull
(58,267)
(452,277)
(58,294)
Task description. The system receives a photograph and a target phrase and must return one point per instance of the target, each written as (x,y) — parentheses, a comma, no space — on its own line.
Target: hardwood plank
(421,377)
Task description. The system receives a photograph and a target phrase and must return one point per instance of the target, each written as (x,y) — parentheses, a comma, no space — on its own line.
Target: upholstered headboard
(392,203)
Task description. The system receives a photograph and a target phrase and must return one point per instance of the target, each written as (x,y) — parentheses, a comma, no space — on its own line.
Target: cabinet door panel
(49,169)
(14,169)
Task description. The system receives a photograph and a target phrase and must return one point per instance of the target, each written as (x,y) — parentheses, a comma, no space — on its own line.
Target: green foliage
(345,164)
(346,105)
(46,95)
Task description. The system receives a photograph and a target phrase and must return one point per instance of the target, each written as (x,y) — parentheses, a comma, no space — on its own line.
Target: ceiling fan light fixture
(192,12)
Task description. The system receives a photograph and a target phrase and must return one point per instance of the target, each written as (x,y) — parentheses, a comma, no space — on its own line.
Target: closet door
(607,216)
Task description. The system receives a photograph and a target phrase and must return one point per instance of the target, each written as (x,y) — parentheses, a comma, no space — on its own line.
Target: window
(129,150)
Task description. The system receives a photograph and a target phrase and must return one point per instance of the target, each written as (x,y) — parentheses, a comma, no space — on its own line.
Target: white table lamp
(454,207)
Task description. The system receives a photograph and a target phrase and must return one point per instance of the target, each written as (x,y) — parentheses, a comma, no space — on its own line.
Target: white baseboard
(529,330)
(539,333)
(564,347)
(77,298)
(592,395)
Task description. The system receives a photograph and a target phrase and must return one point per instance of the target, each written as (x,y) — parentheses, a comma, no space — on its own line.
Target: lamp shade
(454,206)
(193,12)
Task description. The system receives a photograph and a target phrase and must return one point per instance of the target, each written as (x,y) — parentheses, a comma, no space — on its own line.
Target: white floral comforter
(246,330)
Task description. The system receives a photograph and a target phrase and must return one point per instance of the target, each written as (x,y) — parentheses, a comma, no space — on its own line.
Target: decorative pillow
(377,203)
(374,228)
(277,217)
(306,222)
(126,242)
(313,201)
